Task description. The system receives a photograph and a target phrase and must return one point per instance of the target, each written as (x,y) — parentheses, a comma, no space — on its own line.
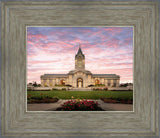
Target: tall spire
(79,51)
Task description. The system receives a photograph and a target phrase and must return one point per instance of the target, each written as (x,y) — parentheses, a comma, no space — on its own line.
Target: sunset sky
(108,50)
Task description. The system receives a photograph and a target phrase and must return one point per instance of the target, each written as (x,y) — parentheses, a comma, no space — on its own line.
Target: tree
(39,85)
(35,84)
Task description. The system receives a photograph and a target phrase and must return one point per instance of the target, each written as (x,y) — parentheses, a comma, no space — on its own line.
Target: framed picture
(17,17)
(84,68)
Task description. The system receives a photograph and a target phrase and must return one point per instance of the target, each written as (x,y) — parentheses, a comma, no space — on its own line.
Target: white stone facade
(80,78)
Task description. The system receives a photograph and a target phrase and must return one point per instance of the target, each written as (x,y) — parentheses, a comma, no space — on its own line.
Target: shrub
(54,89)
(56,98)
(105,89)
(35,84)
(90,85)
(41,99)
(95,89)
(45,85)
(68,85)
(99,85)
(38,97)
(80,105)
(29,89)
(49,97)
(28,98)
(56,85)
(98,89)
(64,89)
(125,84)
(39,85)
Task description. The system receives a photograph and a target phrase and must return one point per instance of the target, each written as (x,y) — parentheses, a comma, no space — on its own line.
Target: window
(62,82)
(96,81)
(114,84)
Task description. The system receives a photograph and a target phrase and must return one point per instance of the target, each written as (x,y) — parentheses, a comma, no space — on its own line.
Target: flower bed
(45,100)
(80,105)
(41,99)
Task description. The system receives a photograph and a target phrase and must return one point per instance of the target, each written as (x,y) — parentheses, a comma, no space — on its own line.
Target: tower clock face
(79,63)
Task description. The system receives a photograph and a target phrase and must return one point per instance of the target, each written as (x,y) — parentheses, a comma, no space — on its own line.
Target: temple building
(79,77)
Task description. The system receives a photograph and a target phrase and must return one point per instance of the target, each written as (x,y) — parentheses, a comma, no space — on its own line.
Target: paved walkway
(54,106)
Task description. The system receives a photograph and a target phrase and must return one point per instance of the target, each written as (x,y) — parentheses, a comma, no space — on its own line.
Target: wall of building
(73,79)
(87,80)
(53,81)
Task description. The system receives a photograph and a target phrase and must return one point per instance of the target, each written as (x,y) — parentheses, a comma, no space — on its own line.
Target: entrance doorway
(79,83)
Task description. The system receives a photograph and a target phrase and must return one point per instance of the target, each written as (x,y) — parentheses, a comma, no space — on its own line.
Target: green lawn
(123,95)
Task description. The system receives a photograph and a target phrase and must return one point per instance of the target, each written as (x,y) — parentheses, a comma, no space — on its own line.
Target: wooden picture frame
(143,16)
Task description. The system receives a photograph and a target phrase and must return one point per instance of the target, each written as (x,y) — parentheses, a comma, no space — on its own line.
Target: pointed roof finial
(79,51)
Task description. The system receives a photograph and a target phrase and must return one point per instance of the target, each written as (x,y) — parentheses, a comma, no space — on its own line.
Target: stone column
(53,82)
(117,84)
(47,82)
(103,81)
(106,82)
(70,79)
(111,82)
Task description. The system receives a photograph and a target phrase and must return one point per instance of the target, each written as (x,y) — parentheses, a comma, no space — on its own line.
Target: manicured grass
(123,95)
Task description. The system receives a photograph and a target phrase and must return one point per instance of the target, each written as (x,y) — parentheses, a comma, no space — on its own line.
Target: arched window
(51,84)
(62,82)
(96,81)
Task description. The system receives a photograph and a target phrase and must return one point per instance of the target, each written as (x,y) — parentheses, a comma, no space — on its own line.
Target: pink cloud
(113,30)
(104,53)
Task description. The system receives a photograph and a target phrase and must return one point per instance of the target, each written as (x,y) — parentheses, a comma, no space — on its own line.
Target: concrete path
(115,107)
(54,106)
(44,106)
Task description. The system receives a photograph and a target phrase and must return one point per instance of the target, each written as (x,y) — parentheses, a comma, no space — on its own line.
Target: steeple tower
(80,60)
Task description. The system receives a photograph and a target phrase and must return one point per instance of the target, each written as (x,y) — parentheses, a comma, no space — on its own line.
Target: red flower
(77,105)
